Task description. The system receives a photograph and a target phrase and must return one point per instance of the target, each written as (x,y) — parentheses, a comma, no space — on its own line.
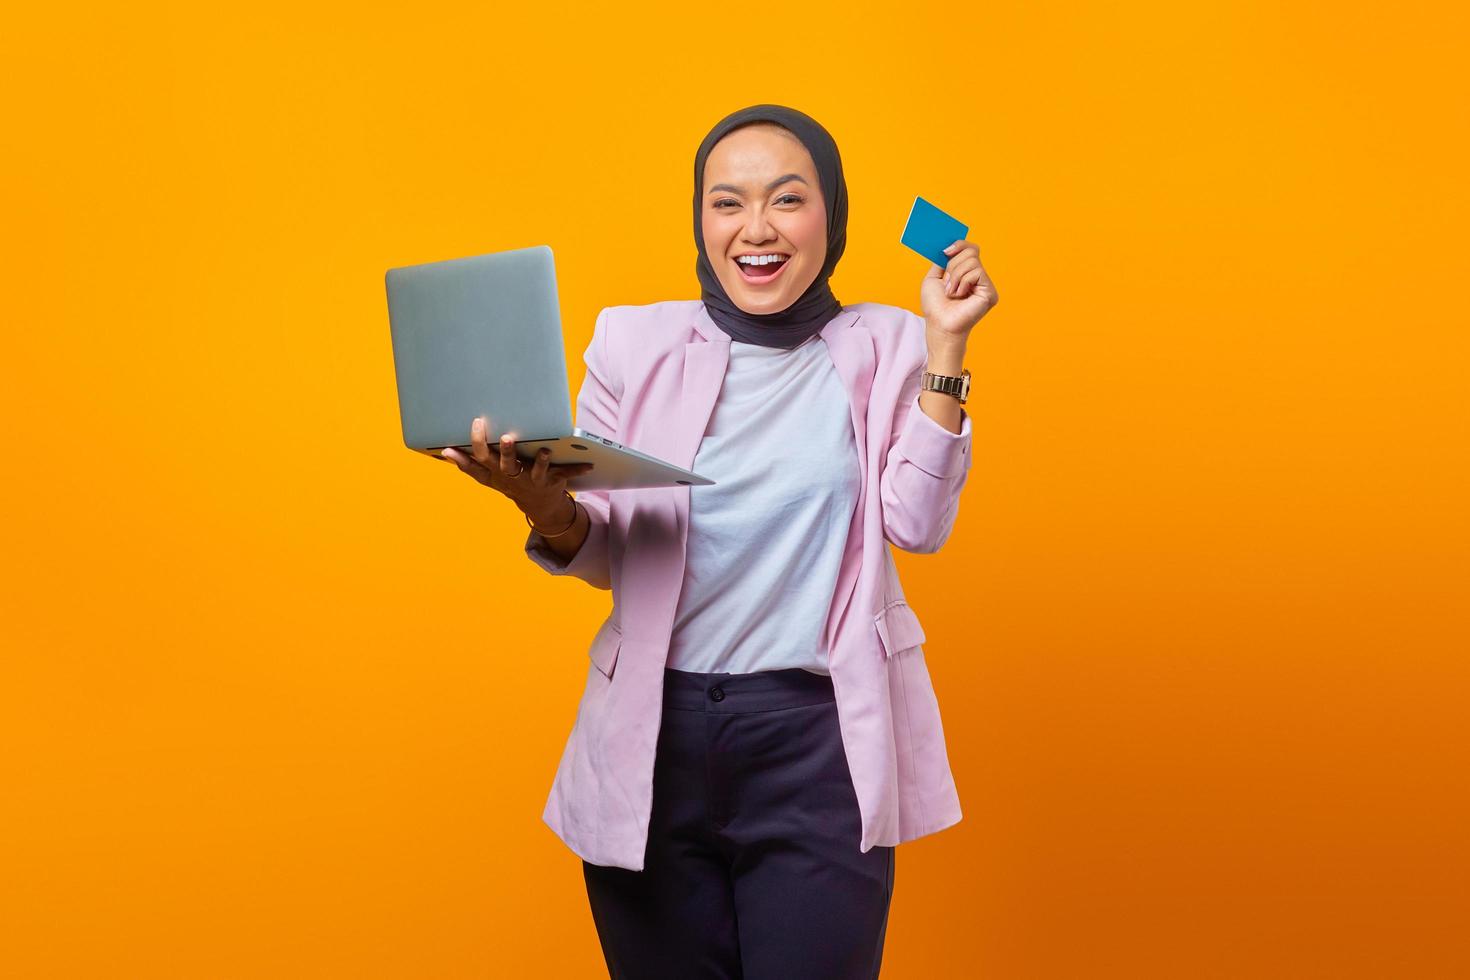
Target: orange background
(282,699)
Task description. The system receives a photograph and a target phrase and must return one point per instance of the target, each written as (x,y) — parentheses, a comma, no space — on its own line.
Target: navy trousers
(752,869)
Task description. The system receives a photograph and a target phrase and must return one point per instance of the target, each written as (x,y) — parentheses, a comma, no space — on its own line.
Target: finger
(965,269)
(469,466)
(956,266)
(964,264)
(935,272)
(952,285)
(509,465)
(479,440)
(983,284)
(539,468)
(964,284)
(963,258)
(960,247)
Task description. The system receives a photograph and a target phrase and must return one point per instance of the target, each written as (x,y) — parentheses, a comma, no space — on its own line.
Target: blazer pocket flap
(898,628)
(605,647)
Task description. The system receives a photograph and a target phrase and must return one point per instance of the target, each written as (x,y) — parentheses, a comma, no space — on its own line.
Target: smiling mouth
(757,274)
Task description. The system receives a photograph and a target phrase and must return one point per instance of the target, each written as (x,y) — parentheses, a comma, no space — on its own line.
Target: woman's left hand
(956,297)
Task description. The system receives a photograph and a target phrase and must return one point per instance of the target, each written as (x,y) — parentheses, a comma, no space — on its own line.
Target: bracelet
(564,530)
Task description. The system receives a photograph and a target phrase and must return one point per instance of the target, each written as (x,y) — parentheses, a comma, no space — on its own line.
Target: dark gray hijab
(816,307)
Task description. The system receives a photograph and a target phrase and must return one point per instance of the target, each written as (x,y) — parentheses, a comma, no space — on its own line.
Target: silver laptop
(482,336)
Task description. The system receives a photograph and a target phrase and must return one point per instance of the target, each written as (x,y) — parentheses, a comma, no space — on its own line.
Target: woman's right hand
(537,489)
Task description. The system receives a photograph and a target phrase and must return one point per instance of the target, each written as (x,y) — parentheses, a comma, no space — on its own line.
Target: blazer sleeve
(926,466)
(597,411)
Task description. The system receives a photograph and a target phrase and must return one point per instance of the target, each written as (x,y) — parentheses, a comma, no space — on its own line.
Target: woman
(758,729)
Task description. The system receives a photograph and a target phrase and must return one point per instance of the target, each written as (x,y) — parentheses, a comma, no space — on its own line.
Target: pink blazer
(653,373)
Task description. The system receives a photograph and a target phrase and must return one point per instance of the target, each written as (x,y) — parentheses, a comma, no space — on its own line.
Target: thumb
(935,272)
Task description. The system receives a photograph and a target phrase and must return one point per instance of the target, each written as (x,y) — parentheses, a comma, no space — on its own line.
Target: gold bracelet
(564,530)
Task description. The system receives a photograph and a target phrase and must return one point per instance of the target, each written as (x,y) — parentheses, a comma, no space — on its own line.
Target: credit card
(930,231)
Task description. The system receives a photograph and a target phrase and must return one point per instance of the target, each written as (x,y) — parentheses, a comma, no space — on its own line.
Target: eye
(788,197)
(723,201)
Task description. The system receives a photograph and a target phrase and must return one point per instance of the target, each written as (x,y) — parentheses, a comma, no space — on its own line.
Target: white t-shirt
(765,542)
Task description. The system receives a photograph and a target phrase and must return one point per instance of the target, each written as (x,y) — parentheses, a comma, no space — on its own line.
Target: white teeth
(757,259)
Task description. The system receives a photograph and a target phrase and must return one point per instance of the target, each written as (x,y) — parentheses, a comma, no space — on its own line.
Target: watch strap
(947,384)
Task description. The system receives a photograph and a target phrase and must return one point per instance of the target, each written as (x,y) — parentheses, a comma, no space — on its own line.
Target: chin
(762,304)
(765,306)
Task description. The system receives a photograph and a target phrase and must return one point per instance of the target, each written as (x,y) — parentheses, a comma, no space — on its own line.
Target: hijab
(815,307)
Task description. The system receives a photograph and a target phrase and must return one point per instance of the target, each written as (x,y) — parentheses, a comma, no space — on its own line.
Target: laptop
(482,336)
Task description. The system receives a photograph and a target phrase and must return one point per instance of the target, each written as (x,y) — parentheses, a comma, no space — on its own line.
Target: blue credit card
(930,231)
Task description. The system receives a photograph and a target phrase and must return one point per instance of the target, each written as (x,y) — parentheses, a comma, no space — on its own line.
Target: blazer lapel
(704,371)
(851,347)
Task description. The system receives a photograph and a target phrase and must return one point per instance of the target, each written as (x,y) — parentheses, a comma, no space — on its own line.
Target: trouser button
(716,694)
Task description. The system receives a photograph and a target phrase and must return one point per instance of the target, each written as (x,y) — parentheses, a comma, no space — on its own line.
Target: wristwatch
(949,385)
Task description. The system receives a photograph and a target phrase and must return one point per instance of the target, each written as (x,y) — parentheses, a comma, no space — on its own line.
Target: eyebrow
(769,187)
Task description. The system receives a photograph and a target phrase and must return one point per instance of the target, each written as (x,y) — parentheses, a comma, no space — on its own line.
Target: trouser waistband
(761,690)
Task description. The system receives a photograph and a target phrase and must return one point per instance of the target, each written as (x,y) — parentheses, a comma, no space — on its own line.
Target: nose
(757,228)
